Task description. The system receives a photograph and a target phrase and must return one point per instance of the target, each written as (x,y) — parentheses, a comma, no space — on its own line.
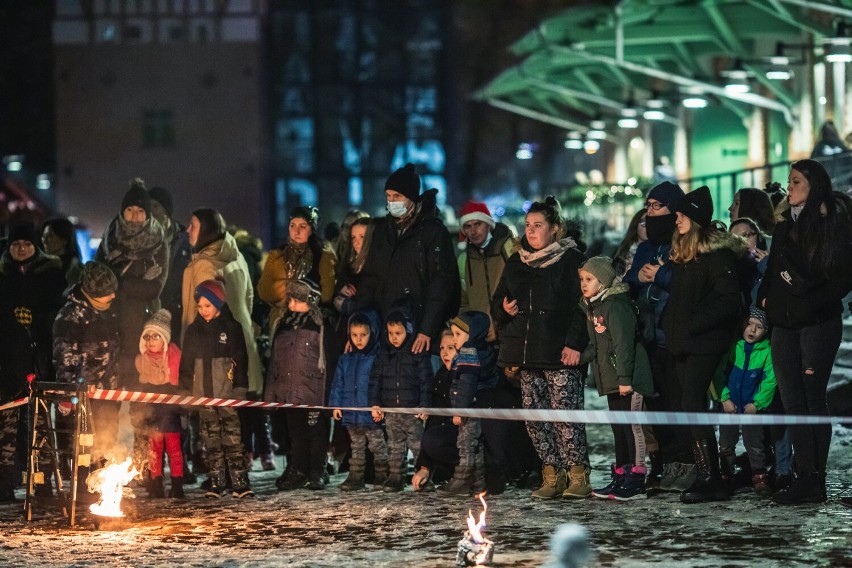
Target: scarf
(159,368)
(298,260)
(125,243)
(548,255)
(295,320)
(406,221)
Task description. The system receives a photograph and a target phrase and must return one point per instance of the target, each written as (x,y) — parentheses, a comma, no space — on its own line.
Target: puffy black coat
(549,316)
(214,360)
(419,265)
(705,306)
(795,292)
(400,378)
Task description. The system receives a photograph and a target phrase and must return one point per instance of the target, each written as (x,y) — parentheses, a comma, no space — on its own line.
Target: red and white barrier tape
(527,415)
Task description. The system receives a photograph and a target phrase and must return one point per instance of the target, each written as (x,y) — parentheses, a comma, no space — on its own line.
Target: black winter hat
(137,196)
(163,197)
(97,280)
(405,181)
(698,206)
(667,193)
(23,232)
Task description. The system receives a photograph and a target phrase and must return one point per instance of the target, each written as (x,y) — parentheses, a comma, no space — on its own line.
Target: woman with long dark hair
(756,205)
(701,320)
(808,276)
(542,332)
(59,238)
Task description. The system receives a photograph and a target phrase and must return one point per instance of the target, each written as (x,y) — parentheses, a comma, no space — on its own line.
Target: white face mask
(397,208)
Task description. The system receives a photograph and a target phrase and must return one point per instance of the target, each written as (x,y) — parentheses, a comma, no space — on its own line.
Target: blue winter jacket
(651,298)
(474,368)
(351,383)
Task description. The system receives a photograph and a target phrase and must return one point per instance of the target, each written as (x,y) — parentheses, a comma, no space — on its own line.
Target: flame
(110,482)
(474,527)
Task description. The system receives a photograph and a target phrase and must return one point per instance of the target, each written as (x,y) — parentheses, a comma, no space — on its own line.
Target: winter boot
(395,481)
(240,486)
(728,469)
(8,475)
(553,483)
(290,480)
(460,484)
(176,490)
(155,488)
(580,486)
(684,477)
(760,481)
(806,488)
(267,462)
(632,485)
(317,480)
(380,474)
(655,475)
(355,479)
(216,484)
(617,474)
(708,485)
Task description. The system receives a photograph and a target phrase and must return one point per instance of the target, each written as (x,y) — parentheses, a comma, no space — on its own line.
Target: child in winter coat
(621,368)
(400,379)
(349,388)
(297,375)
(473,370)
(214,363)
(746,383)
(158,364)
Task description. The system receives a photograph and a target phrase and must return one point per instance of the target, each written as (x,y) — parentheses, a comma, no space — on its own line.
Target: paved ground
(329,528)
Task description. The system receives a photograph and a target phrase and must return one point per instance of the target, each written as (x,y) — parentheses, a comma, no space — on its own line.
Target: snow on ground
(330,528)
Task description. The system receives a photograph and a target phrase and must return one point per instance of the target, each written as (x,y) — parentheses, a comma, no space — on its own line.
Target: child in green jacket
(621,368)
(746,382)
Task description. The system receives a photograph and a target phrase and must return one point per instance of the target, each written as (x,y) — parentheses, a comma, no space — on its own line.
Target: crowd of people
(688,315)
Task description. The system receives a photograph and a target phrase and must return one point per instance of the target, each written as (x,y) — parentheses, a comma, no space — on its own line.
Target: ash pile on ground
(331,528)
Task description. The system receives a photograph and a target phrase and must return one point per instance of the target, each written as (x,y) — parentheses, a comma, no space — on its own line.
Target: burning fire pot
(474,549)
(110,482)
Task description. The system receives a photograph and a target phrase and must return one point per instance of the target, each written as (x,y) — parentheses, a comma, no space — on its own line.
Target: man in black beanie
(411,258)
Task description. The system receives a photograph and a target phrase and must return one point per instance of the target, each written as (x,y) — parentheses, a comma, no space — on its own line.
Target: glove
(239,393)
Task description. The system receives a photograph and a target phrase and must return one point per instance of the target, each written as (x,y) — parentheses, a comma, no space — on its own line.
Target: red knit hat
(213,290)
(475,211)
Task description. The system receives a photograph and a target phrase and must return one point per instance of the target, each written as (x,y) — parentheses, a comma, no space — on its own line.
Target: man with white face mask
(411,257)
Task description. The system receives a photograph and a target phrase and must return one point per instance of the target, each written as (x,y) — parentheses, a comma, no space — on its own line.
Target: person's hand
(510,308)
(729,406)
(760,254)
(625,390)
(348,347)
(648,272)
(421,343)
(457,420)
(750,408)
(570,357)
(337,413)
(420,478)
(348,291)
(377,414)
(422,416)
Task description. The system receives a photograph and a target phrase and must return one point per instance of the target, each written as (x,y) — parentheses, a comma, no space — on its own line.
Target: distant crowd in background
(688,314)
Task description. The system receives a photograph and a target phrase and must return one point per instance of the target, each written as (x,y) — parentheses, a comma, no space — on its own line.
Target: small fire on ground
(474,549)
(110,482)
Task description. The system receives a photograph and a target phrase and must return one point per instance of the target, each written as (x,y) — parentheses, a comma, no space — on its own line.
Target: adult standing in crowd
(180,253)
(59,238)
(85,345)
(808,276)
(350,266)
(31,285)
(649,277)
(701,322)
(135,249)
(304,255)
(411,258)
(542,332)
(755,205)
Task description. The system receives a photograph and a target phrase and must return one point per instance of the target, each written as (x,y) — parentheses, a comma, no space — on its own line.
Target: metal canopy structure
(591,62)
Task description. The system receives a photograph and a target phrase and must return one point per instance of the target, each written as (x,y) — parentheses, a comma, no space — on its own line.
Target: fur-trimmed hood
(719,240)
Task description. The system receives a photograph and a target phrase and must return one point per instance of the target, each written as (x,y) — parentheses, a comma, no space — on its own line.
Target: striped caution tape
(527,415)
(14,404)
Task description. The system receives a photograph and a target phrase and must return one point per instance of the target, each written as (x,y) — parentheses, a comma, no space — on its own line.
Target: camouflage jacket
(85,343)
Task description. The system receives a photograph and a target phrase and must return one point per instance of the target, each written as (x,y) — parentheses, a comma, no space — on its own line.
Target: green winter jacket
(613,351)
(747,381)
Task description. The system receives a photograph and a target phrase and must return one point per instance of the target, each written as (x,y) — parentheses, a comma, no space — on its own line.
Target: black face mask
(660,228)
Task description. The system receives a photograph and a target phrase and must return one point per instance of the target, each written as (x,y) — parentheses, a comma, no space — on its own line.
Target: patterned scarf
(125,243)
(548,255)
(298,260)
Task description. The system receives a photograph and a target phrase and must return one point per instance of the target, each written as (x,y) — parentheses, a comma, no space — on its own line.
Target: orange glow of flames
(109,481)
(474,527)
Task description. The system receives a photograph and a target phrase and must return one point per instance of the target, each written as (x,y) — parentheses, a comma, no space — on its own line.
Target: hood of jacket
(618,291)
(478,325)
(370,318)
(720,240)
(221,252)
(401,314)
